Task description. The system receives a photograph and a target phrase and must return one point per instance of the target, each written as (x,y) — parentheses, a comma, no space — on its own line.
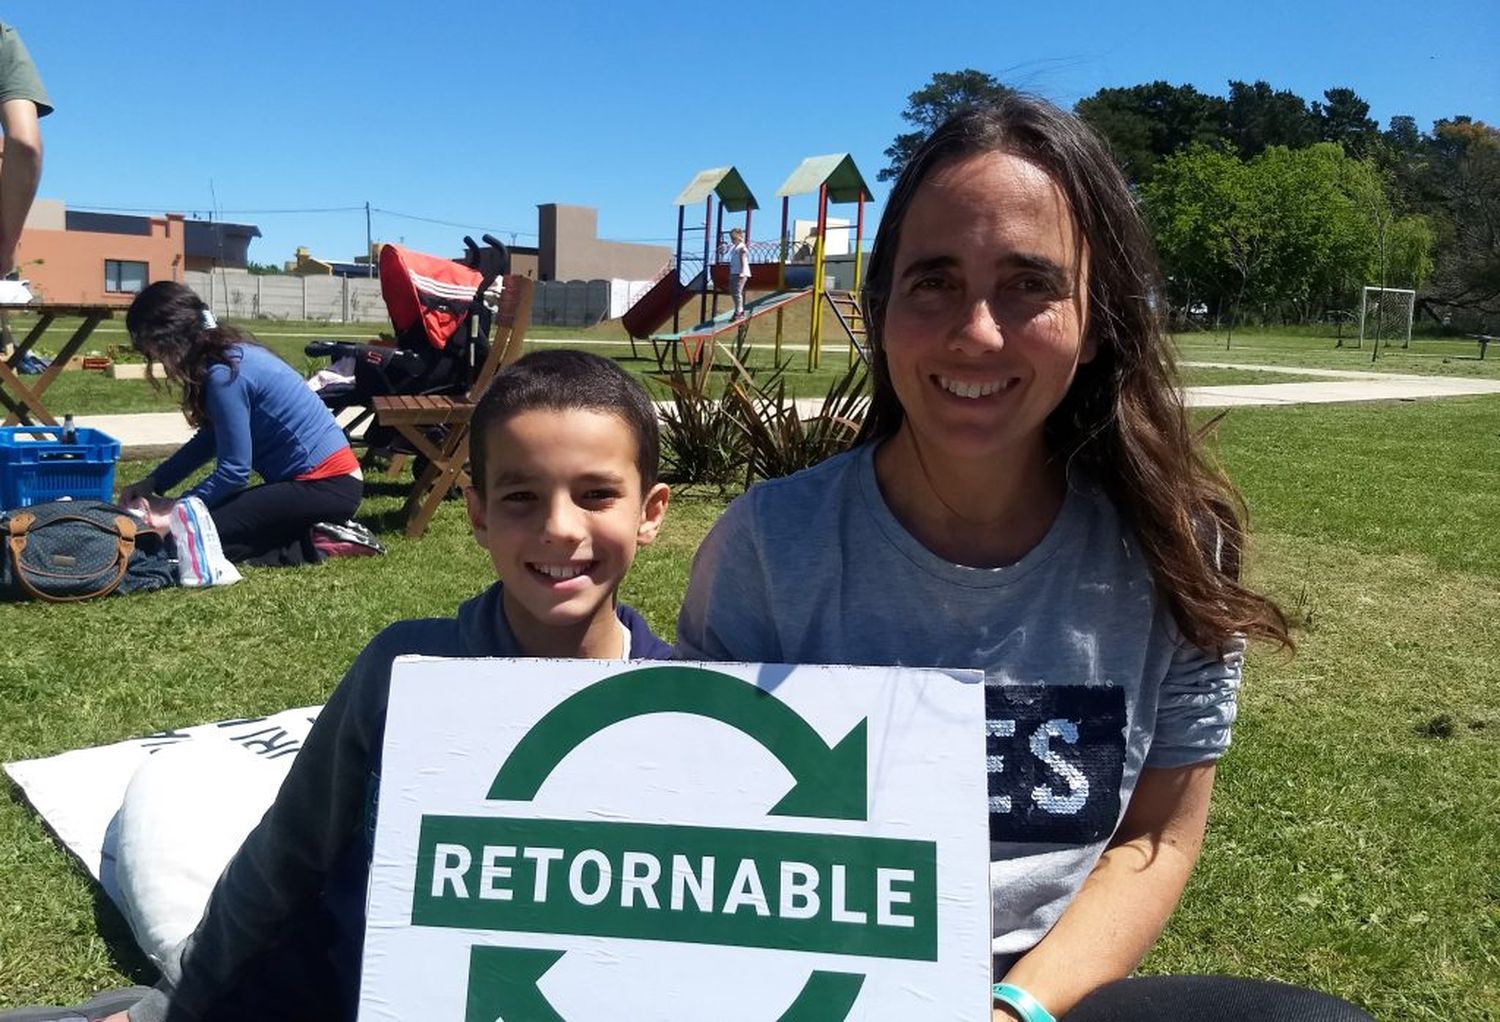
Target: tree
(1257,117)
(1409,259)
(928,107)
(1344,118)
(1464,168)
(1198,205)
(1147,123)
(1403,136)
(1287,232)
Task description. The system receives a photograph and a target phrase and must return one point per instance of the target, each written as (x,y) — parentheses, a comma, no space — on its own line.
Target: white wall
(283,296)
(840,236)
(236,293)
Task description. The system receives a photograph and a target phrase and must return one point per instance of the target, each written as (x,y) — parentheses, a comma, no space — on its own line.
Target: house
(106,258)
(570,248)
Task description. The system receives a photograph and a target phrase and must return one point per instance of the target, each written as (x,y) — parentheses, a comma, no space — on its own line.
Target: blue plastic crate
(35,465)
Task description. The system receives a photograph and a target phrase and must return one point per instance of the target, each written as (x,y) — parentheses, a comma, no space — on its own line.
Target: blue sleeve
(727,611)
(184,461)
(1197,705)
(226,395)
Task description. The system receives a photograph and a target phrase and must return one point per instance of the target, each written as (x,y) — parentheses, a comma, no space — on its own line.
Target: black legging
(269,525)
(1210,999)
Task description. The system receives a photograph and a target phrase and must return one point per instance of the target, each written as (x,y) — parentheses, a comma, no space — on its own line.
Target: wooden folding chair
(415,416)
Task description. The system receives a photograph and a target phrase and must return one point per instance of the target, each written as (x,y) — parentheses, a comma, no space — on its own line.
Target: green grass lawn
(1307,348)
(1214,376)
(1353,842)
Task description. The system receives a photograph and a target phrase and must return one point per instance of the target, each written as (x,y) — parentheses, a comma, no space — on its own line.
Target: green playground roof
(836,170)
(725,182)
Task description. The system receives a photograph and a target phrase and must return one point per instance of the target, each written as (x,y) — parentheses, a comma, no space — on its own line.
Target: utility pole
(369,244)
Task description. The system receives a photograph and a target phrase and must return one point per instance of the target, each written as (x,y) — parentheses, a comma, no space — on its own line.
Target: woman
(1026,498)
(252,413)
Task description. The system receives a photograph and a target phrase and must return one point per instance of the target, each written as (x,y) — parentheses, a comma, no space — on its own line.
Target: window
(121,277)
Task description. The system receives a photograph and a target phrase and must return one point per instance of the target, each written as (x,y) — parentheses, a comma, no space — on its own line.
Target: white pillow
(185,813)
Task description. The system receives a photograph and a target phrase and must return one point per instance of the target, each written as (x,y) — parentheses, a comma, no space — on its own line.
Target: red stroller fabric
(427,290)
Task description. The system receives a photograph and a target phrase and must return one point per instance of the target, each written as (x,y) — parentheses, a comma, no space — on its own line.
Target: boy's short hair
(560,379)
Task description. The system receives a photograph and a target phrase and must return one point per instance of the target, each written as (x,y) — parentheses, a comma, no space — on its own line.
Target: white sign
(575,840)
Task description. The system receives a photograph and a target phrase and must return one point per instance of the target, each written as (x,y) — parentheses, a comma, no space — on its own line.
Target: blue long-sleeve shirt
(262,418)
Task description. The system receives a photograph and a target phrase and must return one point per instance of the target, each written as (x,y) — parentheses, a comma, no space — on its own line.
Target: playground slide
(656,306)
(725,321)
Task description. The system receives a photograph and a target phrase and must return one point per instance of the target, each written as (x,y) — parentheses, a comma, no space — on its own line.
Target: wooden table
(23,402)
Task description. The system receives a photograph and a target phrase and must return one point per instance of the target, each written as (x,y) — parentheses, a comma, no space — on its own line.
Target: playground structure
(785,282)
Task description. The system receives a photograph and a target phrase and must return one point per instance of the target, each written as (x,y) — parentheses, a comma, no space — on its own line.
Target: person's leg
(1210,999)
(102,1004)
(739,296)
(270,524)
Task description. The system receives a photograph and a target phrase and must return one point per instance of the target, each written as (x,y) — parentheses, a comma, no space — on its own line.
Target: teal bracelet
(1030,1008)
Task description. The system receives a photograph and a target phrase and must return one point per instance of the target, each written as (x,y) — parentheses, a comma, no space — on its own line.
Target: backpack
(64,550)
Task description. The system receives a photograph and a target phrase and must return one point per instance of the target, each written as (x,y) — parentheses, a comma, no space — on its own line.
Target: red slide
(656,306)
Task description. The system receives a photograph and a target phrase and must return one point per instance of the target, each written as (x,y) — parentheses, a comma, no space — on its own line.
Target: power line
(305,211)
(451,223)
(96,208)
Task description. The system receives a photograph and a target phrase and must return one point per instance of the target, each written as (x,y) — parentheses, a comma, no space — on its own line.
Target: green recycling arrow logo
(503,985)
(795,890)
(830,782)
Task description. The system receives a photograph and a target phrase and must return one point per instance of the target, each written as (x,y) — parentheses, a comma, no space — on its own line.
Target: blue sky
(473,112)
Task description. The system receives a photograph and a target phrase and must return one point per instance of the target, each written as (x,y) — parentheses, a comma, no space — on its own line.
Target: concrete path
(148,434)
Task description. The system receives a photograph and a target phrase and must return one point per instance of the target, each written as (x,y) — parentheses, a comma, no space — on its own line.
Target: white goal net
(1385,314)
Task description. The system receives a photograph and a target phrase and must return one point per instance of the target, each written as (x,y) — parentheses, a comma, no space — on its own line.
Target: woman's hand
(118,1016)
(135,496)
(159,514)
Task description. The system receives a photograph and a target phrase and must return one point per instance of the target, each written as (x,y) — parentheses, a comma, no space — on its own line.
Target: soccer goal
(1385,313)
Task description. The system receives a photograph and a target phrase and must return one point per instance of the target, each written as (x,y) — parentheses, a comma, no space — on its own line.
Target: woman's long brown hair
(1122,421)
(169,324)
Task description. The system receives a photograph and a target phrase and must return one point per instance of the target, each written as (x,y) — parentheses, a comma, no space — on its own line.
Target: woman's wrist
(1020,1004)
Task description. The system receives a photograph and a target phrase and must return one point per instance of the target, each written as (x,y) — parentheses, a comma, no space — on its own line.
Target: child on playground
(1026,497)
(564,453)
(739,269)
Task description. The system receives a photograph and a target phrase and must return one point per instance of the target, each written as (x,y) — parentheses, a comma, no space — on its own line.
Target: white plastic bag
(200,556)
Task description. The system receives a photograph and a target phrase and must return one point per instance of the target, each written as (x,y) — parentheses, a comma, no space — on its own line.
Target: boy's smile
(561,519)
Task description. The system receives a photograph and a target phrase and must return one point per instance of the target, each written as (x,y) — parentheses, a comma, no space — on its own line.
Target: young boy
(563,451)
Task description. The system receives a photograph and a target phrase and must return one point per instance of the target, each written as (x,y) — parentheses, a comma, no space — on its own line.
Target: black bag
(64,550)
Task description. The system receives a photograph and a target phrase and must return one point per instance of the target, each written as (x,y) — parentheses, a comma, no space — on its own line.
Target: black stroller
(442,311)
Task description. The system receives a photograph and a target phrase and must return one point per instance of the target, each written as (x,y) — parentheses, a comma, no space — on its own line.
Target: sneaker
(345,539)
(14,292)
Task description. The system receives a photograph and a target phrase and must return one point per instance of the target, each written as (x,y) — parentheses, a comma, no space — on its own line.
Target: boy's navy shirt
(305,867)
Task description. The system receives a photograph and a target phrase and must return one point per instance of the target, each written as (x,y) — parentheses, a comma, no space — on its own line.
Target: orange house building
(93,267)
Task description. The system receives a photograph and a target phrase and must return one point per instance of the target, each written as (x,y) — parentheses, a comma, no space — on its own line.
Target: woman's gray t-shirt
(1088,677)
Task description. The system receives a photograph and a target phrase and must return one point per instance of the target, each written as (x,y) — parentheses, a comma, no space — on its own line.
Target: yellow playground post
(836,179)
